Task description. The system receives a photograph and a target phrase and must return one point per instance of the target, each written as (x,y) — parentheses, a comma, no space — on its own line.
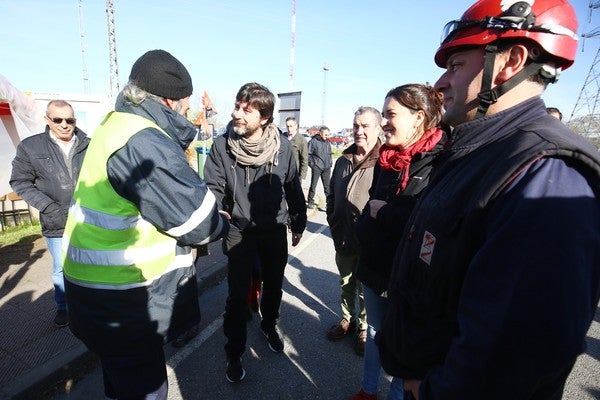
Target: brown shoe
(341,329)
(359,342)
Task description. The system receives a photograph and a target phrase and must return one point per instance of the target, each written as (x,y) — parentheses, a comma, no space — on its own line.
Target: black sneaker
(275,343)
(235,372)
(61,318)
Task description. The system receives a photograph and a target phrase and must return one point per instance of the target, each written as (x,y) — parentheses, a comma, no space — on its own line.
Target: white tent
(22,115)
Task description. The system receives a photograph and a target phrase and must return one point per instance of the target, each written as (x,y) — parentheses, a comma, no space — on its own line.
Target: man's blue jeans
(55,247)
(376,306)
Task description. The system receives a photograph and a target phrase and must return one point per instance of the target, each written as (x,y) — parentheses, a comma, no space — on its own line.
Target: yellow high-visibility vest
(107,244)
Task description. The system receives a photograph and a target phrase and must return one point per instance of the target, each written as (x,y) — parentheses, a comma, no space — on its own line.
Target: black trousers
(243,248)
(136,377)
(315,175)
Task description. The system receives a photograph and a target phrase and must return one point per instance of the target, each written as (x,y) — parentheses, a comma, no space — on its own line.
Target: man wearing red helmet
(497,278)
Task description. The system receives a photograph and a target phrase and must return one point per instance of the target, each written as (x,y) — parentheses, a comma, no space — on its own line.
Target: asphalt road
(311,367)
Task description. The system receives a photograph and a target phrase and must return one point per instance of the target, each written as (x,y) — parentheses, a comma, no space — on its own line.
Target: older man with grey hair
(349,192)
(137,208)
(300,146)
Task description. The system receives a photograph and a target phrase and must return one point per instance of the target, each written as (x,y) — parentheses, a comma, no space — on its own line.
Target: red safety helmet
(549,23)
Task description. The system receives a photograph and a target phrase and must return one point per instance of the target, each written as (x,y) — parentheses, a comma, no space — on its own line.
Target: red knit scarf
(398,159)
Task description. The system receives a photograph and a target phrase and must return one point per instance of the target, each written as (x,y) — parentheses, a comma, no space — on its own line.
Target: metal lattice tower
(587,121)
(112,50)
(86,80)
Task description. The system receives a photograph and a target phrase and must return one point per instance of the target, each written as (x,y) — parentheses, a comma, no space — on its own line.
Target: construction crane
(112,50)
(586,121)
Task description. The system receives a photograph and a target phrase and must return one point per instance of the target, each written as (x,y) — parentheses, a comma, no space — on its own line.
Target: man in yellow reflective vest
(137,208)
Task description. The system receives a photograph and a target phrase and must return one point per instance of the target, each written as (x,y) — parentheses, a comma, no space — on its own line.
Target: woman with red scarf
(411,115)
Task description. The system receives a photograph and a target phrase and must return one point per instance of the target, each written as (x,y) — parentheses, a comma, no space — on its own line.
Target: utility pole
(86,81)
(325,69)
(293,46)
(587,102)
(112,50)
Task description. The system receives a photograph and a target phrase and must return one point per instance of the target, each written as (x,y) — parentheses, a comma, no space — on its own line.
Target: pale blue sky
(370,47)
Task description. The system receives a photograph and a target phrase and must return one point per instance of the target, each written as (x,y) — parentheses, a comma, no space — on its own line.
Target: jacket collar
(76,132)
(474,134)
(175,125)
(370,159)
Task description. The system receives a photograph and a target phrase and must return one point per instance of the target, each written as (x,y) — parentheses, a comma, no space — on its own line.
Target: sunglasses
(70,121)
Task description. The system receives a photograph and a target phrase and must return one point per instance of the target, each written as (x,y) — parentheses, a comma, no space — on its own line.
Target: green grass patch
(336,152)
(26,231)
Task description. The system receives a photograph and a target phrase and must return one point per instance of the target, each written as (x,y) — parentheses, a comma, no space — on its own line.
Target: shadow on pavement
(16,254)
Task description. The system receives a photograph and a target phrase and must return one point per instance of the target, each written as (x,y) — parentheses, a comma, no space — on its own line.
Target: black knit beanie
(161,74)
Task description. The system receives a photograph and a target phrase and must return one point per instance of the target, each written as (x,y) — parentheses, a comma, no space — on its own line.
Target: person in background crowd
(137,208)
(555,112)
(45,171)
(350,183)
(251,170)
(411,116)
(320,162)
(300,146)
(497,278)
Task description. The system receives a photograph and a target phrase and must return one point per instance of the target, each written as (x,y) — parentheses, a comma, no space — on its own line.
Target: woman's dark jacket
(379,237)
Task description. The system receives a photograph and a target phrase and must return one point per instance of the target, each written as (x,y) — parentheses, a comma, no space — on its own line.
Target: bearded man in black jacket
(252,172)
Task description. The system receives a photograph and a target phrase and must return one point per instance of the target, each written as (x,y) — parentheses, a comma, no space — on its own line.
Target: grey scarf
(256,153)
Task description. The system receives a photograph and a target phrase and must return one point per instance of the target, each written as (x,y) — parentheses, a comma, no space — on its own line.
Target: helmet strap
(488,96)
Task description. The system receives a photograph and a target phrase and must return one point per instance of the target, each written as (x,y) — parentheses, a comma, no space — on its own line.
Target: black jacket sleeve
(23,179)
(215,177)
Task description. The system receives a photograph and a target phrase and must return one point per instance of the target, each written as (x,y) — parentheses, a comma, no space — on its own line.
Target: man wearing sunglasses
(45,170)
(497,278)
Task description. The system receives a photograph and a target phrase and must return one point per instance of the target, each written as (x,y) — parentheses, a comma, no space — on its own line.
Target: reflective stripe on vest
(107,244)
